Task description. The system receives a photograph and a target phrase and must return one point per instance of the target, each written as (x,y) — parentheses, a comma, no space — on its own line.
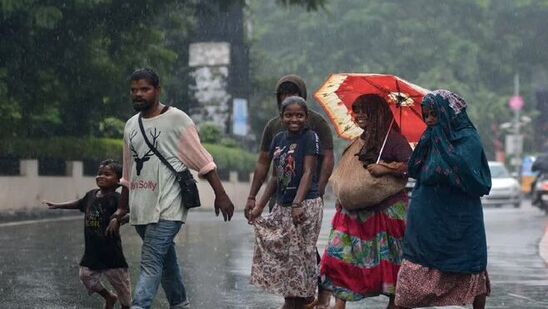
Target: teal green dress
(445,250)
(445,229)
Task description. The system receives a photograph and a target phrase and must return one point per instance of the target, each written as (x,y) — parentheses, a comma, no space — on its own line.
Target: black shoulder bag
(189,191)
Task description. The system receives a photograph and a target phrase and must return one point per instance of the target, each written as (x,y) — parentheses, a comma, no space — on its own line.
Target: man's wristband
(296,205)
(251,198)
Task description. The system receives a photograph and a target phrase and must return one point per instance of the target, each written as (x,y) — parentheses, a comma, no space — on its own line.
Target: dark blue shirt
(288,152)
(101,251)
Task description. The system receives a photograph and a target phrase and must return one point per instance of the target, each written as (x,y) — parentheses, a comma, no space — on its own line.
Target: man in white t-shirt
(150,189)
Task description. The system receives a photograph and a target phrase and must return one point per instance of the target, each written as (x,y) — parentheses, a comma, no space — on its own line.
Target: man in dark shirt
(290,85)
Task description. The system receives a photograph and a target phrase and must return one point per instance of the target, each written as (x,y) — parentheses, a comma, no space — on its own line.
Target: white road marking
(17,223)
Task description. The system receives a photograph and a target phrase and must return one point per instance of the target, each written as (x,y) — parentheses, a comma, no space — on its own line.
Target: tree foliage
(473,47)
(64,63)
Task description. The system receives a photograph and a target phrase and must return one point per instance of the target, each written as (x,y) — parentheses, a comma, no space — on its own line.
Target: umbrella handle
(385,138)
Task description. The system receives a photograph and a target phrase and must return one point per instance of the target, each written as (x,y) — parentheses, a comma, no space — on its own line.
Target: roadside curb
(543,246)
(24,222)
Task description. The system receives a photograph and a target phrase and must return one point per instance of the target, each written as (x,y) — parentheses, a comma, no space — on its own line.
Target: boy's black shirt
(101,251)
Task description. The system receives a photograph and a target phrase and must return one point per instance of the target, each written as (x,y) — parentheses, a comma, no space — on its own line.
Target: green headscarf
(450,152)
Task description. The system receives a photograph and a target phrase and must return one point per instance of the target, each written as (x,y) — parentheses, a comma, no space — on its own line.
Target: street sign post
(516,103)
(513,144)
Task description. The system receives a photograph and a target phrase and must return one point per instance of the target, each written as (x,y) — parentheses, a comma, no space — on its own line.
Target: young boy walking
(103,254)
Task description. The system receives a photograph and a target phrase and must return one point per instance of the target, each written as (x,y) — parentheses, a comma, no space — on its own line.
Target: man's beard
(141,106)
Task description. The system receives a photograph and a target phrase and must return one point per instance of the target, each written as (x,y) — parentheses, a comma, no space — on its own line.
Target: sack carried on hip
(355,188)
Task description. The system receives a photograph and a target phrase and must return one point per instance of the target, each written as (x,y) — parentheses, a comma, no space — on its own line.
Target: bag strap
(156,152)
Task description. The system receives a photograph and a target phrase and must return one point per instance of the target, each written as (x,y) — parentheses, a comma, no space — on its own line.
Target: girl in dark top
(102,254)
(284,260)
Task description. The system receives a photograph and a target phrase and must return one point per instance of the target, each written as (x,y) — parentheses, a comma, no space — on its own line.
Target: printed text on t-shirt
(143,185)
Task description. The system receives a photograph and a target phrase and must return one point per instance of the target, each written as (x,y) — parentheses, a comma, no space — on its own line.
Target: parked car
(505,189)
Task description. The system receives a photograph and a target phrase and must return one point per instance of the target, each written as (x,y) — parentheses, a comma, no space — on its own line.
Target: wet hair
(114,165)
(379,118)
(147,74)
(294,100)
(287,88)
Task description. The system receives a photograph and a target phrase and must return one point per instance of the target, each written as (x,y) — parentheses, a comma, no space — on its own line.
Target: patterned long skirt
(420,286)
(284,261)
(364,252)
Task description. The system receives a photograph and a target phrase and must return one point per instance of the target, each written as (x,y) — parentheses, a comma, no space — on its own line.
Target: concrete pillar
(233,176)
(28,168)
(75,169)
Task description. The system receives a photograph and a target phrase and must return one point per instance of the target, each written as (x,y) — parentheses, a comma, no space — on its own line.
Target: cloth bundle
(353,185)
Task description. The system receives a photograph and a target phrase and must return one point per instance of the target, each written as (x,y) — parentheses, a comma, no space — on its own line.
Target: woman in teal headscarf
(445,250)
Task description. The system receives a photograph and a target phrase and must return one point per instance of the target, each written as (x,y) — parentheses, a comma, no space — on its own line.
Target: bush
(232,159)
(112,127)
(67,148)
(209,133)
(229,142)
(98,149)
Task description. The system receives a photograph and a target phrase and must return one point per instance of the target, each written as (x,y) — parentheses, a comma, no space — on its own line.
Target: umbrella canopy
(339,91)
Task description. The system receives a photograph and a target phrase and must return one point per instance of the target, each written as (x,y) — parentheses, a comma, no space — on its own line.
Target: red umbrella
(339,91)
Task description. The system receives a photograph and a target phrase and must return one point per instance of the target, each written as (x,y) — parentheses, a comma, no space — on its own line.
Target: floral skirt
(420,286)
(284,261)
(364,252)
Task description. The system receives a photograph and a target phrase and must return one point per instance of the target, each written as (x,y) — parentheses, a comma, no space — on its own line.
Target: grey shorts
(117,277)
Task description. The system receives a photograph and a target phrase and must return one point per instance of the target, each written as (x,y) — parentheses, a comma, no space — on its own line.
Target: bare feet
(392,303)
(289,303)
(339,304)
(479,301)
(311,305)
(110,298)
(322,302)
(110,301)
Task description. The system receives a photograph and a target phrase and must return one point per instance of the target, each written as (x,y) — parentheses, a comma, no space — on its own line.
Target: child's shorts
(118,278)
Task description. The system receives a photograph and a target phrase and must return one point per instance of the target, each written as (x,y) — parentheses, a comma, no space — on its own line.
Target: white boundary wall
(25,192)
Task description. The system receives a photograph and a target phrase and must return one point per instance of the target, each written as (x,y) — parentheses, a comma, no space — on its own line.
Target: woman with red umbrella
(364,251)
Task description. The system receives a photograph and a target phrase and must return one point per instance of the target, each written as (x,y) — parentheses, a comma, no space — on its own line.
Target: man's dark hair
(147,74)
(114,165)
(288,88)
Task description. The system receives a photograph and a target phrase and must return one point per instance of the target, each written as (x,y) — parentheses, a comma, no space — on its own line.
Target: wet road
(39,262)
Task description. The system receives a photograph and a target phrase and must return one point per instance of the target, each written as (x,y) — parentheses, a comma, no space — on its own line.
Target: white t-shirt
(153,192)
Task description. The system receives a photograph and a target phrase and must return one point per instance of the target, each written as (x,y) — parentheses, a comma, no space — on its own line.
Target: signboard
(515,161)
(209,54)
(515,103)
(209,86)
(239,117)
(513,144)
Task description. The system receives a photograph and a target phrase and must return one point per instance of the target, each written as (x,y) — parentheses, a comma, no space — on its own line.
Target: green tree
(472,47)
(64,60)
(64,63)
